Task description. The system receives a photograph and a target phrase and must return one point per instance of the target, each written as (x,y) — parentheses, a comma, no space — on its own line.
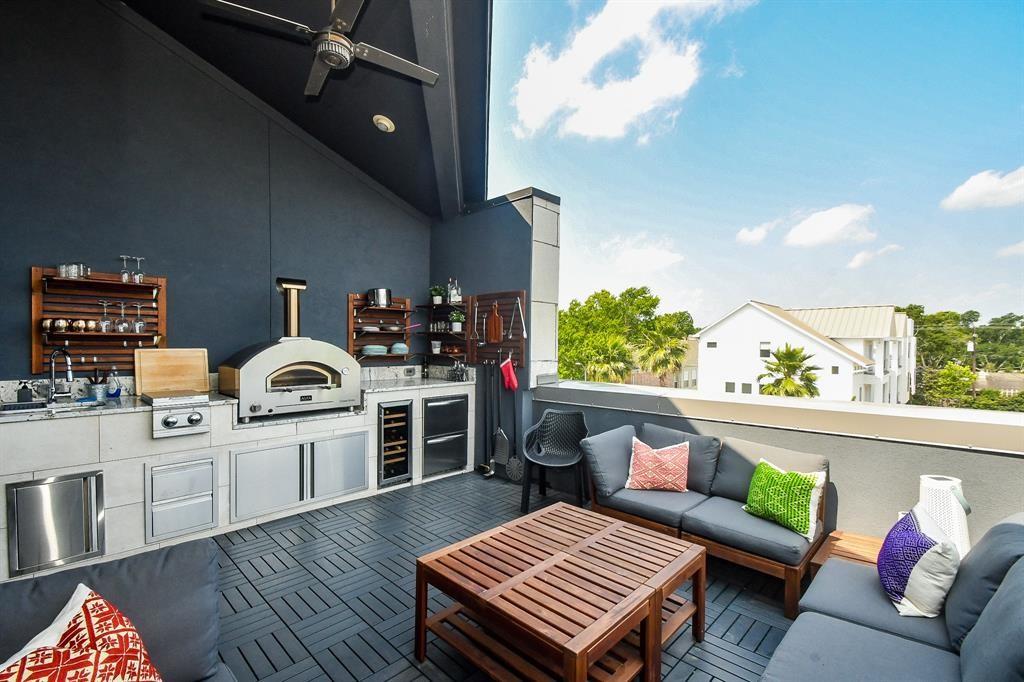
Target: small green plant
(456,316)
(438,290)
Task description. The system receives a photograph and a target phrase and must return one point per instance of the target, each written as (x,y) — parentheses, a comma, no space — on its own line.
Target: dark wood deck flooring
(329,594)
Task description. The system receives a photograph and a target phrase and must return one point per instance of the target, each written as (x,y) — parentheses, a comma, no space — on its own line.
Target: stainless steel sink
(54,407)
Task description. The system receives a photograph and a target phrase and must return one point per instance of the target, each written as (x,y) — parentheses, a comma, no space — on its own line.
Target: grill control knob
(255,407)
(195,418)
(170,421)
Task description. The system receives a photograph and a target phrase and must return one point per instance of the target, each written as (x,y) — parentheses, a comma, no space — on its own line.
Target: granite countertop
(133,403)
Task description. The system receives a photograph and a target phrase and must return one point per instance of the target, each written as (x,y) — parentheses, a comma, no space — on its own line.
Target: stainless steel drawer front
(444,453)
(54,521)
(181,516)
(449,414)
(181,480)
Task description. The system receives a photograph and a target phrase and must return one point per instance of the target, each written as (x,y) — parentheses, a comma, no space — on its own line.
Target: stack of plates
(375,350)
(370,329)
(399,348)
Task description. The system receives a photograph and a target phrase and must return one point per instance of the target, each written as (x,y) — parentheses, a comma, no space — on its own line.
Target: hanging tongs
(476,316)
(522,319)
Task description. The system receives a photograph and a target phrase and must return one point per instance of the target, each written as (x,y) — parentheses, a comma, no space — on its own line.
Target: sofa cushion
(917,564)
(850,591)
(661,506)
(738,459)
(980,574)
(703,453)
(170,595)
(723,520)
(608,458)
(789,498)
(992,649)
(818,647)
(658,469)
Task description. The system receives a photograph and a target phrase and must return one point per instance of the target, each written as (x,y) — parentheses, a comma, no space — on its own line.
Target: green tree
(662,349)
(949,386)
(789,374)
(941,337)
(969,318)
(1000,344)
(611,360)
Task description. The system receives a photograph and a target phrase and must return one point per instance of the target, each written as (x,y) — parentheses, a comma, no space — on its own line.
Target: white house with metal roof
(866,353)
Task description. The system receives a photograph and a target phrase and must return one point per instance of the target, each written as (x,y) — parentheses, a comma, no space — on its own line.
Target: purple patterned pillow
(917,565)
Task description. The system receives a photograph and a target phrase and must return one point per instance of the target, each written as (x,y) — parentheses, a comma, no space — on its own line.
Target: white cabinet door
(265,480)
(338,465)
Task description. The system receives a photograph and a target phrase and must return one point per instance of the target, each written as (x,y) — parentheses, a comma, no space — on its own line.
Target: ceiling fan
(332,48)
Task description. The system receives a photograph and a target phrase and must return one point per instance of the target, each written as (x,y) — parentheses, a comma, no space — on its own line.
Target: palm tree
(611,360)
(661,351)
(790,374)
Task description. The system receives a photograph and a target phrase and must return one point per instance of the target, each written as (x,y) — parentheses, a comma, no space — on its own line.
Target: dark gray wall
(118,141)
(489,249)
(872,480)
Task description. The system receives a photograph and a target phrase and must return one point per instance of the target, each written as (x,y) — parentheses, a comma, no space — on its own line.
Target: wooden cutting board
(494,328)
(171,369)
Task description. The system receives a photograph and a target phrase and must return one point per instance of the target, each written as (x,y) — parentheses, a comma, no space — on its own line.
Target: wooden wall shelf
(361,315)
(56,297)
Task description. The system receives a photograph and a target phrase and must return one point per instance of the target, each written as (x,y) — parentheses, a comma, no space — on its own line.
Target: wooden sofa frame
(792,576)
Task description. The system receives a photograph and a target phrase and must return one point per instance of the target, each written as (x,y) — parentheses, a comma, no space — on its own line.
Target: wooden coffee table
(562,593)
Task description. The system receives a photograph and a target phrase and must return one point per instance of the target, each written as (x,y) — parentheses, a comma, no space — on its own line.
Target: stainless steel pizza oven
(294,373)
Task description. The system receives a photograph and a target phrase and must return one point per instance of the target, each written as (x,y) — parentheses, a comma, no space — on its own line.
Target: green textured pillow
(789,498)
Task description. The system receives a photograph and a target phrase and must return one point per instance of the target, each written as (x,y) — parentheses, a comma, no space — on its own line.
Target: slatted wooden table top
(861,549)
(563,579)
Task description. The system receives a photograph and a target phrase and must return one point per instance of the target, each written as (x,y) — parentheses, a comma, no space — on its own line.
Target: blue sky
(800,153)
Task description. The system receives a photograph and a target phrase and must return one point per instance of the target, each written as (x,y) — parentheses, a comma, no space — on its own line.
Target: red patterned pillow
(90,641)
(663,469)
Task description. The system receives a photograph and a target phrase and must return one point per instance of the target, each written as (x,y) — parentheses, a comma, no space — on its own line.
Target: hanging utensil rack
(512,341)
(56,297)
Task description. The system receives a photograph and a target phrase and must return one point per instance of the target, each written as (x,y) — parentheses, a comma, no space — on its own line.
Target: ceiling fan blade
(258,18)
(317,76)
(343,17)
(379,57)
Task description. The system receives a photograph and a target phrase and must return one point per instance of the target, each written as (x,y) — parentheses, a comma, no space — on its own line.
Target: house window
(730,387)
(745,388)
(835,369)
(712,344)
(766,349)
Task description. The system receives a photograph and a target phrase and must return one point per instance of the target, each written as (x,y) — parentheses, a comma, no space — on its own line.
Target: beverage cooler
(394,442)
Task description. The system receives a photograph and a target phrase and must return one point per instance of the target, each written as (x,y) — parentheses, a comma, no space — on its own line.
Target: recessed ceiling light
(383,123)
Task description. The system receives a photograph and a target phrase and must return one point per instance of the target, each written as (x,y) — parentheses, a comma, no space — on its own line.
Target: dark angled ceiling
(275,69)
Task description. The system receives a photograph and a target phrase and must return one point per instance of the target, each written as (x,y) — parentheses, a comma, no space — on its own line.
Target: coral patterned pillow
(90,640)
(663,469)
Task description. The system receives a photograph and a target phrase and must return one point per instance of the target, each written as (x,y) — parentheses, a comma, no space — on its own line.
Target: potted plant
(457,317)
(437,294)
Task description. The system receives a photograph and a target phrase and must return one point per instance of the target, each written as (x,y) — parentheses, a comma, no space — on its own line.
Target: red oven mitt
(508,373)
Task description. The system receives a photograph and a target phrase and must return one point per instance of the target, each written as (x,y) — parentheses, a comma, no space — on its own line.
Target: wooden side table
(861,549)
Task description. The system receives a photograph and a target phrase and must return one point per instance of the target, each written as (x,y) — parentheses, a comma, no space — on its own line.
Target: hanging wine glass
(106,324)
(126,275)
(138,275)
(121,324)
(139,323)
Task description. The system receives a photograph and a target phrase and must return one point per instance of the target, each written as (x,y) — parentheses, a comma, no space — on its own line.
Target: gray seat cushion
(703,453)
(980,575)
(849,591)
(661,506)
(993,648)
(607,456)
(739,457)
(169,594)
(223,674)
(724,521)
(818,647)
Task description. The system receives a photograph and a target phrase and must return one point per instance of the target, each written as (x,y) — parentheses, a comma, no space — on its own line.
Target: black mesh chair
(553,443)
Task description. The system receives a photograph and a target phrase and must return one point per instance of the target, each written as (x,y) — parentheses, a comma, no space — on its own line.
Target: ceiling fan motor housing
(334,50)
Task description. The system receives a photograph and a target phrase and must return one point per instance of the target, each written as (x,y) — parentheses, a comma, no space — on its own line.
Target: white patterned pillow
(917,564)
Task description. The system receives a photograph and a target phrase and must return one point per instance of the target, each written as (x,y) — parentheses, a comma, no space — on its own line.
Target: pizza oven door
(303,376)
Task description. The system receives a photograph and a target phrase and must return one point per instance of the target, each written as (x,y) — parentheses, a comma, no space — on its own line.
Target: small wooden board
(860,549)
(171,369)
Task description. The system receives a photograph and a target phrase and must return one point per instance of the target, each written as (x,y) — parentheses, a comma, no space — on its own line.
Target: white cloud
(640,253)
(756,234)
(987,189)
(862,258)
(1011,250)
(563,82)
(844,223)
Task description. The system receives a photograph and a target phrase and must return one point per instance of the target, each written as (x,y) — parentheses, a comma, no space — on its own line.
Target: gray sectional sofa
(710,511)
(849,630)
(171,596)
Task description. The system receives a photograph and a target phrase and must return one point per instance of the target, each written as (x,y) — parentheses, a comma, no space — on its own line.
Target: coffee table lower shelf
(675,612)
(458,628)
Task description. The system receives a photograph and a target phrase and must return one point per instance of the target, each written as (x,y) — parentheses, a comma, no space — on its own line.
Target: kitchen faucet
(53,393)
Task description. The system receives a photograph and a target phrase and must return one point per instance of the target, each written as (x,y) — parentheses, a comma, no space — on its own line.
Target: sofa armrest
(607,456)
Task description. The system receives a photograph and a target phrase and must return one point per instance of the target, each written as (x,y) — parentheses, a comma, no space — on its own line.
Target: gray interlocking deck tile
(328,594)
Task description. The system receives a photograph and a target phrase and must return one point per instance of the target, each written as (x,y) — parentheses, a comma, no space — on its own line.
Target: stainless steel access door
(54,521)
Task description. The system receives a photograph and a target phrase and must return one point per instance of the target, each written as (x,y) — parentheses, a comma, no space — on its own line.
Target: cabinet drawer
(180,516)
(181,480)
(449,414)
